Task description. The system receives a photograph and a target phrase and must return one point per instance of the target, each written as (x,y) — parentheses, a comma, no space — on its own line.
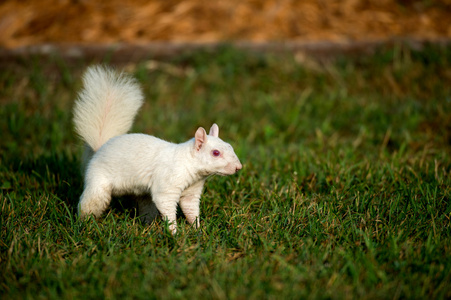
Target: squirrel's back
(106,106)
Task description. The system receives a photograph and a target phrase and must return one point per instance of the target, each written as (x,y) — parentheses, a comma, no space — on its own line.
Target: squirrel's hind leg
(94,200)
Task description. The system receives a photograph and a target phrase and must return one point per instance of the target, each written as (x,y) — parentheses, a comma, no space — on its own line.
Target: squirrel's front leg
(166,204)
(190,201)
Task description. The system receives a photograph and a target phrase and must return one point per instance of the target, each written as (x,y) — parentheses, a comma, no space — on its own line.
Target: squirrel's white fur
(159,173)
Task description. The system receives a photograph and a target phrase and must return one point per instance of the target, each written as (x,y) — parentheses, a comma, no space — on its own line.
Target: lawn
(345,189)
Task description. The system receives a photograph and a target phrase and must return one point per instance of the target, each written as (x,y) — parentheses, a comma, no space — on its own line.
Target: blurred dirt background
(24,23)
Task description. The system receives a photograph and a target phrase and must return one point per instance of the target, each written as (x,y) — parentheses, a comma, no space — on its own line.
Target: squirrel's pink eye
(216,153)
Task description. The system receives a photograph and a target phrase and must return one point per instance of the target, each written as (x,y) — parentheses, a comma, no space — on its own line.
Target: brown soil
(24,23)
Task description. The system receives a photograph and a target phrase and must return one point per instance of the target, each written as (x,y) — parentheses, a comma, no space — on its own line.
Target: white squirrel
(160,173)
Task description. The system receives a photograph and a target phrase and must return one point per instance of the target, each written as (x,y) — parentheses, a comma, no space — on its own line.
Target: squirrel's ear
(200,138)
(214,130)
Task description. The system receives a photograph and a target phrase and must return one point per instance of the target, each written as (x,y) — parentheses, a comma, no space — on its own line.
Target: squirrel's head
(213,154)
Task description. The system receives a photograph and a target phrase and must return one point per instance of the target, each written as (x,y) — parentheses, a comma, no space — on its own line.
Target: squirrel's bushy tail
(106,106)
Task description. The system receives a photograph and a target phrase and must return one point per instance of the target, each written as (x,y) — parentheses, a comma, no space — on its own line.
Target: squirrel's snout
(232,168)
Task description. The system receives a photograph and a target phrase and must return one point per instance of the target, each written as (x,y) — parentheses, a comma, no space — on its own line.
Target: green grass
(345,190)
